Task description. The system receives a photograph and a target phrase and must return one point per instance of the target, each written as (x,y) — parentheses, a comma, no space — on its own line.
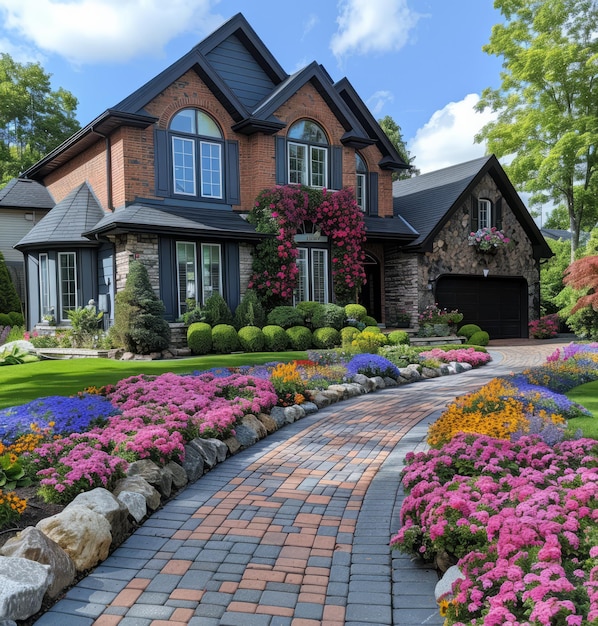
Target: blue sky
(419,61)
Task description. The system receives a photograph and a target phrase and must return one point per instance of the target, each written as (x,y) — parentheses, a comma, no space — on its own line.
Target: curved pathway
(293,531)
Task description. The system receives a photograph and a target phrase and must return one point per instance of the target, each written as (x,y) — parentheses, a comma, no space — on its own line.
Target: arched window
(307,154)
(197,146)
(361,184)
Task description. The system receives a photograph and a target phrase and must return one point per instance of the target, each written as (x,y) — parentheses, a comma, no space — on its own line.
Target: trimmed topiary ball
(468,330)
(481,338)
(325,338)
(355,311)
(330,315)
(286,317)
(300,337)
(348,333)
(199,338)
(252,339)
(368,320)
(398,337)
(225,338)
(276,338)
(309,309)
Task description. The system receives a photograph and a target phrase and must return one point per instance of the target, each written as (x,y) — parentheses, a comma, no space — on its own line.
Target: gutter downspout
(108,168)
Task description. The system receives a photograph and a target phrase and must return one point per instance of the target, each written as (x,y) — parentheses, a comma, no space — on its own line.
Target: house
(169,174)
(23,203)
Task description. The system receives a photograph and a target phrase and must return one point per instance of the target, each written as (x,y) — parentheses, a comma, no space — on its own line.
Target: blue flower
(372,365)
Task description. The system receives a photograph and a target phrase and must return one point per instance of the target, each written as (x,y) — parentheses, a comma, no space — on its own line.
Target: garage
(498,304)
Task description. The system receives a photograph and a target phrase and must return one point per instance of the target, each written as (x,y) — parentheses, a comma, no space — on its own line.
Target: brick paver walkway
(291,532)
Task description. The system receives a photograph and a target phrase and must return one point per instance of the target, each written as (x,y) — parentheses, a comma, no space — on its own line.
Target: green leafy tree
(551,275)
(9,298)
(139,325)
(393,131)
(547,103)
(34,119)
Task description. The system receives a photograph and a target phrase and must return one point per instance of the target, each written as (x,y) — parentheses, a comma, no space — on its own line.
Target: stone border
(41,562)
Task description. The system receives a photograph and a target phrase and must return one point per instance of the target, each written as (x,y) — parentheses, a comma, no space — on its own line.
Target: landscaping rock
(378,382)
(105,503)
(268,423)
(334,394)
(310,407)
(138,484)
(213,451)
(458,367)
(153,474)
(193,463)
(23,584)
(354,389)
(179,476)
(444,586)
(391,382)
(320,400)
(232,445)
(249,431)
(135,503)
(82,533)
(430,372)
(32,544)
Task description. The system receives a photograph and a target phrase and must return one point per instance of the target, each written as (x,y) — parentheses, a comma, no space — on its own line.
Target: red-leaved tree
(582,275)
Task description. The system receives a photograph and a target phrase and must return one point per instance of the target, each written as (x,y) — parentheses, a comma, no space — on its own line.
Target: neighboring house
(23,203)
(564,235)
(500,291)
(168,175)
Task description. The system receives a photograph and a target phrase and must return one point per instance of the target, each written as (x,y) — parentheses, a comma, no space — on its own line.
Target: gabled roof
(64,224)
(155,218)
(428,201)
(247,81)
(392,228)
(21,193)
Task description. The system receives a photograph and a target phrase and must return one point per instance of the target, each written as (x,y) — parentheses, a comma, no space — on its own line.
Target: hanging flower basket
(488,240)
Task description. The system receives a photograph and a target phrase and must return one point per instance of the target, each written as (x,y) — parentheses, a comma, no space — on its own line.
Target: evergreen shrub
(325,338)
(355,311)
(276,338)
(251,339)
(225,339)
(286,317)
(481,338)
(199,337)
(468,330)
(300,337)
(216,311)
(329,315)
(250,311)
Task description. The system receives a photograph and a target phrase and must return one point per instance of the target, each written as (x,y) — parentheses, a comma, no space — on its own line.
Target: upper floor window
(361,184)
(197,148)
(307,154)
(484,213)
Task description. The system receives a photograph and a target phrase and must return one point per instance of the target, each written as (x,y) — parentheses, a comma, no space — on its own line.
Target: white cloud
(366,26)
(377,101)
(95,31)
(448,137)
(309,24)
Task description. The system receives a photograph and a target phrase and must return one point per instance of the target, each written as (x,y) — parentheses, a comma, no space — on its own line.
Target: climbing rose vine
(282,211)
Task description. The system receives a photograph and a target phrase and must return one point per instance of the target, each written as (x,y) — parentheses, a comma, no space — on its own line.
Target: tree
(9,298)
(547,103)
(393,131)
(34,119)
(139,325)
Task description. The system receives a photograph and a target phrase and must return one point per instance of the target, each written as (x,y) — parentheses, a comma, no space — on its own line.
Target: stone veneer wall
(245,265)
(400,285)
(143,248)
(452,254)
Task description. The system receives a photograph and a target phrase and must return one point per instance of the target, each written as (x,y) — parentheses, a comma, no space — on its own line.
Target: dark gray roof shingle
(21,193)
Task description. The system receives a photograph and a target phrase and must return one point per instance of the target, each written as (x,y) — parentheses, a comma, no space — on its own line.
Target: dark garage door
(497,304)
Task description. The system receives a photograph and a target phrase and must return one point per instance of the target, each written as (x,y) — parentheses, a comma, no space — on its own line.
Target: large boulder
(138,484)
(135,503)
(23,584)
(82,533)
(153,474)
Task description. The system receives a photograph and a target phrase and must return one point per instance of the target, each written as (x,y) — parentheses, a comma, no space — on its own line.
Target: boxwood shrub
(348,333)
(286,317)
(481,338)
(251,339)
(326,338)
(225,338)
(300,337)
(329,315)
(199,338)
(398,337)
(309,309)
(355,311)
(276,338)
(468,330)
(368,320)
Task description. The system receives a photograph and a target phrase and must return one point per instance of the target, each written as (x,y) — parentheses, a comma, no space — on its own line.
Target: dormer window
(307,154)
(361,183)
(484,213)
(197,147)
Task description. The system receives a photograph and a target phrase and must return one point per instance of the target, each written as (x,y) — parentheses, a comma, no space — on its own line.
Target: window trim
(485,206)
(44,280)
(61,255)
(190,141)
(178,275)
(361,183)
(203,170)
(220,272)
(306,264)
(309,173)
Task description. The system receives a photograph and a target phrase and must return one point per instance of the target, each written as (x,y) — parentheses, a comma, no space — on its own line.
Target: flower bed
(516,512)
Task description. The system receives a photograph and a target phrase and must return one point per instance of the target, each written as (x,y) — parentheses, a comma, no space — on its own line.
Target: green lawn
(586,395)
(20,384)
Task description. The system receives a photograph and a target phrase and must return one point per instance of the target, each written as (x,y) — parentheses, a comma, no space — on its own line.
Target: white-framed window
(197,163)
(186,274)
(44,285)
(211,263)
(67,268)
(484,213)
(361,184)
(307,148)
(312,282)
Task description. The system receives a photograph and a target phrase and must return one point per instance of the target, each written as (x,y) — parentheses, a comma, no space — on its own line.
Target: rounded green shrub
(325,338)
(329,315)
(199,338)
(373,329)
(5,319)
(309,309)
(398,337)
(300,337)
(276,338)
(286,317)
(16,319)
(225,338)
(355,311)
(468,330)
(348,333)
(368,320)
(251,339)
(481,338)
(216,310)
